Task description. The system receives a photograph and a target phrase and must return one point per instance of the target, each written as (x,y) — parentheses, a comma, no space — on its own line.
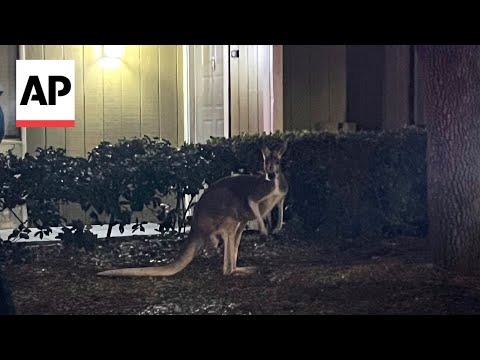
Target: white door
(206,92)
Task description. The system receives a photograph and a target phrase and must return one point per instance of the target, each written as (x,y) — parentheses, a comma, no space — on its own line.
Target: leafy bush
(13,188)
(343,186)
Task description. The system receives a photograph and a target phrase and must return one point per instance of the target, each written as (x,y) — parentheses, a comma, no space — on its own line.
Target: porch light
(111,55)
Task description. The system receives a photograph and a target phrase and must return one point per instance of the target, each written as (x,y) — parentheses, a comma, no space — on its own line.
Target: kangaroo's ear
(282,148)
(265,152)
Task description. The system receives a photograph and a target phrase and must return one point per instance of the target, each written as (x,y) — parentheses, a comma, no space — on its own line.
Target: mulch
(309,276)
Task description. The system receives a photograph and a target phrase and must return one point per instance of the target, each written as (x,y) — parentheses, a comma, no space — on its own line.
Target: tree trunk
(451,76)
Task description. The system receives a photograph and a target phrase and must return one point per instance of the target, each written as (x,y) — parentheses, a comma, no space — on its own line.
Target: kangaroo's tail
(174,267)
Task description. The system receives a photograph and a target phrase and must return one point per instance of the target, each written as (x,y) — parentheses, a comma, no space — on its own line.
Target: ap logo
(45,93)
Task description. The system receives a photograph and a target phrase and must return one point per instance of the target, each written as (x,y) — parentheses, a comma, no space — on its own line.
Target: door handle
(214,63)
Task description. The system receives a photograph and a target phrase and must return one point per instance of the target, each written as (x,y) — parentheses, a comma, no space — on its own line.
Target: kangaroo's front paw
(264,231)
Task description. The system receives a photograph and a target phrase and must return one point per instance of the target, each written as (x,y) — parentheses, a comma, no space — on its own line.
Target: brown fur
(223,211)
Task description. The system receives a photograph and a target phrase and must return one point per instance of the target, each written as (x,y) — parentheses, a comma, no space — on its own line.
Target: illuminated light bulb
(113,51)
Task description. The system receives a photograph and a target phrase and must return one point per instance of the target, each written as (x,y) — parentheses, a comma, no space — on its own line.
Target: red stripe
(45,123)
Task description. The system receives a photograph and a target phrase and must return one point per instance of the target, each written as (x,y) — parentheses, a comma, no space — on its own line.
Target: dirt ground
(391,276)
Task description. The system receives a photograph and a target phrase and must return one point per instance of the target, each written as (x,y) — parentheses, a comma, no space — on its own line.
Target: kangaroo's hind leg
(238,237)
(227,232)
(244,270)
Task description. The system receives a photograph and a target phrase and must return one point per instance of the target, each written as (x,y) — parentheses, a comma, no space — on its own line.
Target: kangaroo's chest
(280,186)
(279,191)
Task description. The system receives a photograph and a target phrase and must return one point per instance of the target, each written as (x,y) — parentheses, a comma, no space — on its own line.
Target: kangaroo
(223,212)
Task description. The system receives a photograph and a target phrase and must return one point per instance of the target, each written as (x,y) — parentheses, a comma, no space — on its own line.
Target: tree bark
(451,78)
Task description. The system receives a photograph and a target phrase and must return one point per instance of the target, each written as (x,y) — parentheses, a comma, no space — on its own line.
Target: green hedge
(347,185)
(342,186)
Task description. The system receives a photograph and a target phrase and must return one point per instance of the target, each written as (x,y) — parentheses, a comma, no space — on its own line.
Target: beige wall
(378,86)
(397,97)
(143,96)
(250,89)
(365,84)
(314,86)
(139,98)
